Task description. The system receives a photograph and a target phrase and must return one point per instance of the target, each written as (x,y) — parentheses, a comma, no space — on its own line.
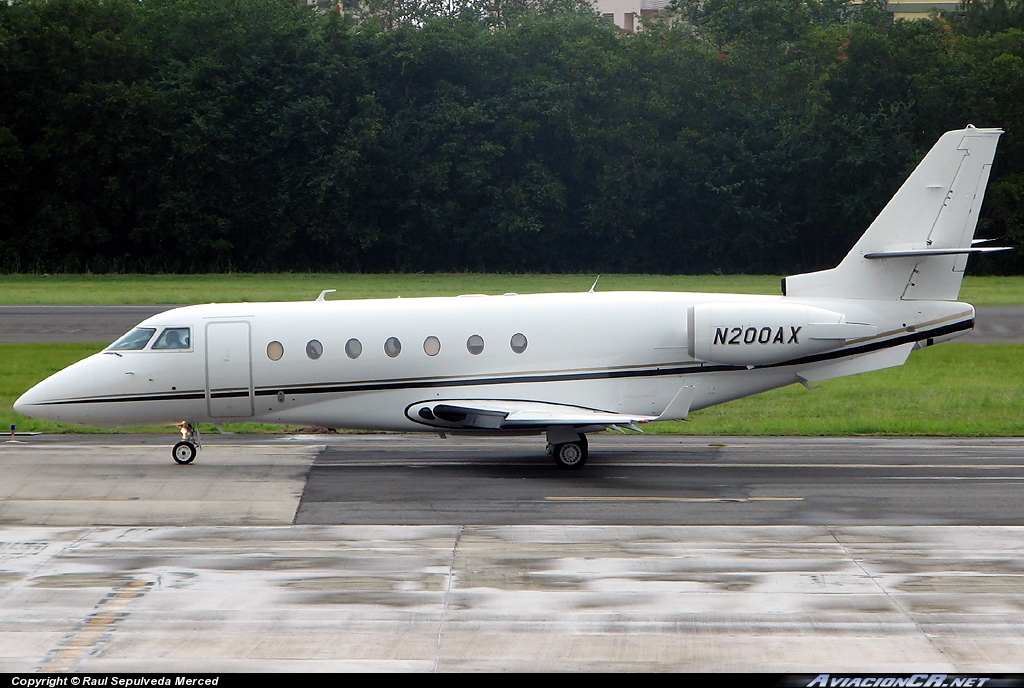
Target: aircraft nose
(42,401)
(64,397)
(28,403)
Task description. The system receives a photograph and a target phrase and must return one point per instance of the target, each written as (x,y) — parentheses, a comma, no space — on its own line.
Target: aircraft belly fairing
(499,414)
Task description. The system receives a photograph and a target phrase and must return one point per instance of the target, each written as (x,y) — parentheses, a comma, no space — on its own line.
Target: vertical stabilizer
(917,247)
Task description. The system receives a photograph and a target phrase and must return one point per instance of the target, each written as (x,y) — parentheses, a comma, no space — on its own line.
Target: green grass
(186,289)
(951,389)
(946,390)
(993,291)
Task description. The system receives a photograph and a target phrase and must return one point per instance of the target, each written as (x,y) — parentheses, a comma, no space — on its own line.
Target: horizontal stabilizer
(925,252)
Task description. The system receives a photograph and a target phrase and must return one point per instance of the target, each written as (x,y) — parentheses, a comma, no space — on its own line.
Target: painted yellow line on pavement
(95,631)
(1013,463)
(627,498)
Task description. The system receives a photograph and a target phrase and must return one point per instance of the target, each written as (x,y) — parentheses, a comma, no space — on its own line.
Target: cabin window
(314,349)
(392,347)
(173,338)
(475,344)
(135,340)
(353,348)
(518,342)
(275,350)
(432,346)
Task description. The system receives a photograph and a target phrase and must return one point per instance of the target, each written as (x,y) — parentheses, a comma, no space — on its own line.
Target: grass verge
(946,390)
(187,289)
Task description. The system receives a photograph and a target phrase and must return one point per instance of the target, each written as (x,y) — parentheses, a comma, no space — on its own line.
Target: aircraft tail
(917,247)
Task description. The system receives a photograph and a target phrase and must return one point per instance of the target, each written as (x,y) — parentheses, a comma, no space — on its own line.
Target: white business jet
(562,365)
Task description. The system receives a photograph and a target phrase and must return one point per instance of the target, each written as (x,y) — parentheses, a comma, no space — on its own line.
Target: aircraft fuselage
(369,363)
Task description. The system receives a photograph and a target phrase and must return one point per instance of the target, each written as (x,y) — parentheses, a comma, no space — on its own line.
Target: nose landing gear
(184,452)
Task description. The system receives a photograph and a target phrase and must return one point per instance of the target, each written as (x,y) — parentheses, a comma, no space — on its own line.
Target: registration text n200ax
(757,335)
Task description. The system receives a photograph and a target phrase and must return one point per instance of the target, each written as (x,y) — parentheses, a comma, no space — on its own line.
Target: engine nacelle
(755,334)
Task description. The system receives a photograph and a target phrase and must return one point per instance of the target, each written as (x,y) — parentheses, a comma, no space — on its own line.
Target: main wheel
(571,455)
(184,452)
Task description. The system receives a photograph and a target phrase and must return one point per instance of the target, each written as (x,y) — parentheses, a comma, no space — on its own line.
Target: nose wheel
(184,452)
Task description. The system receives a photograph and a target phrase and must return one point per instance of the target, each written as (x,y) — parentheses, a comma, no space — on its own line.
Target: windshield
(134,340)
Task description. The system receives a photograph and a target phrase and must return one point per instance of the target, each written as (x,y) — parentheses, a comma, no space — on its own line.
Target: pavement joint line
(69,499)
(447,602)
(877,581)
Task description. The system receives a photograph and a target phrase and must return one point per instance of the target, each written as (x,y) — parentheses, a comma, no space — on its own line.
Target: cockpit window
(134,340)
(173,338)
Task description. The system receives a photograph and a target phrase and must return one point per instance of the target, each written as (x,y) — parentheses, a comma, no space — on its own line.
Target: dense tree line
(729,135)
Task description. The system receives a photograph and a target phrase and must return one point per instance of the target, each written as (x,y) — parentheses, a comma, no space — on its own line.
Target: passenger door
(229,391)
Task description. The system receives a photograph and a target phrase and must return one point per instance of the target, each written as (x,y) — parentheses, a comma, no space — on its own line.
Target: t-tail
(917,247)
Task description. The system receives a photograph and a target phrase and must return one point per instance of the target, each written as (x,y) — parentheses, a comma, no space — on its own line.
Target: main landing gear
(185,451)
(569,455)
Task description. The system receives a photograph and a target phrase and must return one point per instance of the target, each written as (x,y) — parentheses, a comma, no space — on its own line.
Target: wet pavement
(115,559)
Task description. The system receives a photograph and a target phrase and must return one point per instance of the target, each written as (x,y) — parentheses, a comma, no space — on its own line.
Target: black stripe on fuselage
(870,347)
(383,385)
(433,383)
(176,396)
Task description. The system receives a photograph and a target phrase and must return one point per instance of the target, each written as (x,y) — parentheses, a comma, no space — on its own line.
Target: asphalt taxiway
(395,552)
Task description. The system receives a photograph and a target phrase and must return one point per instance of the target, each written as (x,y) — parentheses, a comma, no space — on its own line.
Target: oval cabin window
(432,346)
(392,347)
(353,348)
(275,350)
(475,344)
(518,342)
(314,349)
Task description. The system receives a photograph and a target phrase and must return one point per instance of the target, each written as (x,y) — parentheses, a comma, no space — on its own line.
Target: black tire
(184,452)
(571,455)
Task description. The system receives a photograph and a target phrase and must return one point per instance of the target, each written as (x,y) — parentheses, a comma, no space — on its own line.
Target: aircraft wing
(498,414)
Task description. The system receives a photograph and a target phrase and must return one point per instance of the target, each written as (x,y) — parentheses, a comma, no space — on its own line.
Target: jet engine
(757,334)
